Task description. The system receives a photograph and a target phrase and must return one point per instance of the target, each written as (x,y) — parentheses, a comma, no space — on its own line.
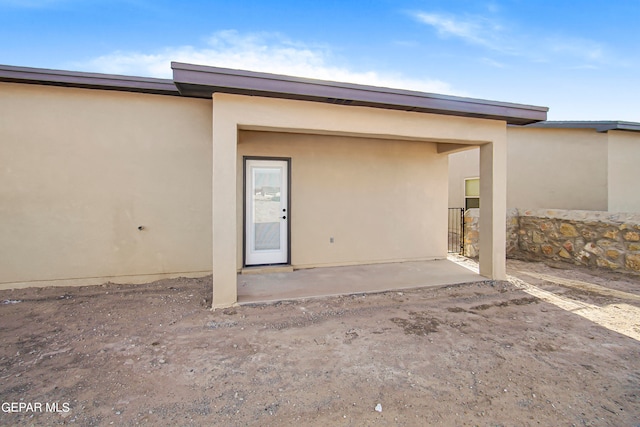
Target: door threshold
(266,269)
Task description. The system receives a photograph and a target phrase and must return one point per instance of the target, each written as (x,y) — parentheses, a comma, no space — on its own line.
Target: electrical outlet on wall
(330,239)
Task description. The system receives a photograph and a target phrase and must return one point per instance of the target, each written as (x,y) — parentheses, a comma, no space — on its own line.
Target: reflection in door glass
(266,208)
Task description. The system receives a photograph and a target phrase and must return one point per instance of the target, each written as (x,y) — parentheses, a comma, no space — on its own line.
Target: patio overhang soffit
(202,81)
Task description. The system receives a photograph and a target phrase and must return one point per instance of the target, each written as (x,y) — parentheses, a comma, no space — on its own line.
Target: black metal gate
(456,231)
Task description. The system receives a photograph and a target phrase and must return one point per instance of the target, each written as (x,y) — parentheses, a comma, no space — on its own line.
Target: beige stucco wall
(462,165)
(624,171)
(80,170)
(381,200)
(556,168)
(547,169)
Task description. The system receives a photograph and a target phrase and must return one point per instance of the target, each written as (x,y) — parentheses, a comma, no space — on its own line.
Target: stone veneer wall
(590,238)
(513,232)
(471,233)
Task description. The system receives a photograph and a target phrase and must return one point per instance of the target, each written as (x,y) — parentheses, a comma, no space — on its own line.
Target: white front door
(266,212)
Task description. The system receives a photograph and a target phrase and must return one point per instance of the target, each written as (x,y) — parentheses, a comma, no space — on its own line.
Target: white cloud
(265,52)
(472,29)
(579,48)
(492,63)
(451,26)
(492,33)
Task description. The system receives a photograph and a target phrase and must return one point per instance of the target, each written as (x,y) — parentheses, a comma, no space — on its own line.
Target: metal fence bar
(455,230)
(461,232)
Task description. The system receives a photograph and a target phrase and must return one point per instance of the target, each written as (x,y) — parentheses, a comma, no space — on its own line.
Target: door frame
(244,206)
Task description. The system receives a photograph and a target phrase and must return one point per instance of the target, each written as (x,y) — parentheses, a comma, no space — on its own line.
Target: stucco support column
(225,141)
(493,207)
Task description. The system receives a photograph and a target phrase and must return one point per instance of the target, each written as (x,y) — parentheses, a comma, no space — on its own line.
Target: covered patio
(360,182)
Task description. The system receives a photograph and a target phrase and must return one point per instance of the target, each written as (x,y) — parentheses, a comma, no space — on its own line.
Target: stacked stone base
(590,238)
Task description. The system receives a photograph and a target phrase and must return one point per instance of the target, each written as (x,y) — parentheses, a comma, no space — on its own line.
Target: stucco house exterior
(570,165)
(132,179)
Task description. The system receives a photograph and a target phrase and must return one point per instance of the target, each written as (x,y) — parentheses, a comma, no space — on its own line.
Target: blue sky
(580,58)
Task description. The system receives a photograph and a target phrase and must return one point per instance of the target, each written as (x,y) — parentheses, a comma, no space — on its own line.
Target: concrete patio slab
(328,281)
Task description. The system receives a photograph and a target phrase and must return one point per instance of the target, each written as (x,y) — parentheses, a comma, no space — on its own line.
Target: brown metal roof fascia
(202,81)
(599,126)
(44,76)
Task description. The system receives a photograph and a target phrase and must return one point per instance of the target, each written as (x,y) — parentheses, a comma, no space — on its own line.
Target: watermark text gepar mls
(35,407)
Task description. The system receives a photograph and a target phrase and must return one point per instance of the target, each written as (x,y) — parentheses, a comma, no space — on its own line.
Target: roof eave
(201,82)
(598,126)
(87,80)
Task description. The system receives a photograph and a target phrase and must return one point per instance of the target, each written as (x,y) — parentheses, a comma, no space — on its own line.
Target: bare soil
(487,353)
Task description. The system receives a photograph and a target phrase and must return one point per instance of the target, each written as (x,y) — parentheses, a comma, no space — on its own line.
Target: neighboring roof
(87,80)
(202,81)
(600,126)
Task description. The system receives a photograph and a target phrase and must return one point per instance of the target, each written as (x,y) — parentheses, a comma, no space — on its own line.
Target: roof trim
(45,76)
(599,126)
(202,81)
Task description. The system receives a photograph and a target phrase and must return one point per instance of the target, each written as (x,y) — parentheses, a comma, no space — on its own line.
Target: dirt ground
(553,347)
